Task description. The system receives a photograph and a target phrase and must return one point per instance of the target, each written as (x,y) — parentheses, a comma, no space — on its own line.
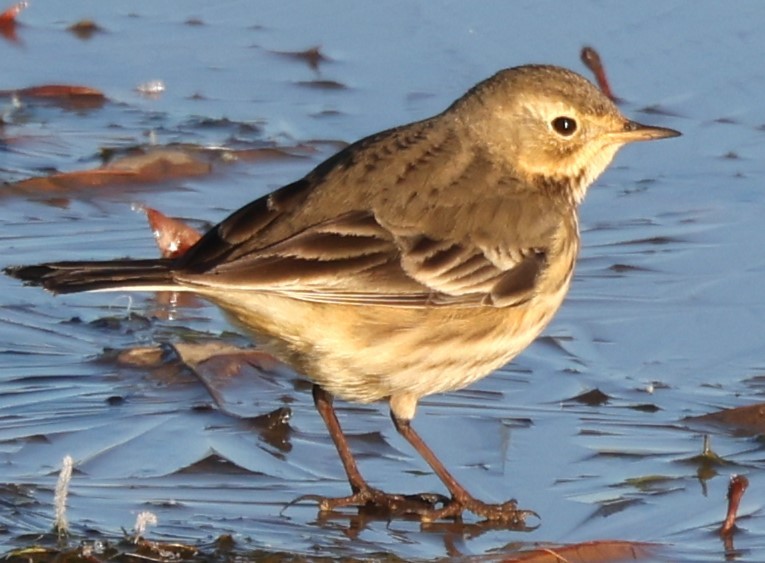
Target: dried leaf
(145,356)
(323,84)
(85,29)
(592,398)
(312,56)
(153,166)
(736,489)
(65,95)
(145,164)
(162,164)
(269,153)
(69,181)
(173,237)
(60,91)
(589,552)
(238,379)
(749,419)
(8,17)
(592,61)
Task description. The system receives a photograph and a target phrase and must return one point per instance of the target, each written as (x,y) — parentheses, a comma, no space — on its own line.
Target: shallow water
(665,314)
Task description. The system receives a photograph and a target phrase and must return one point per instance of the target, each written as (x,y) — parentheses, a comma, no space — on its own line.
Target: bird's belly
(368,353)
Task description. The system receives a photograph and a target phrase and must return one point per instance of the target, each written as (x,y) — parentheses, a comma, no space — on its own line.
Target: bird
(414,261)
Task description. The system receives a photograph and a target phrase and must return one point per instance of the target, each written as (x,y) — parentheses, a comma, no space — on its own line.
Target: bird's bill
(634,131)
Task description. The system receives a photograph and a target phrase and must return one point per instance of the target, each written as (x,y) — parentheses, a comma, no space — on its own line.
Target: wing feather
(353,259)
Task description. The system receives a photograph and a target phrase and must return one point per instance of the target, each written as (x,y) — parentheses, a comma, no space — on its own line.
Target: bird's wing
(356,259)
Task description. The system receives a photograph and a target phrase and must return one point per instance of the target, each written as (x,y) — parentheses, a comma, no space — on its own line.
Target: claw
(505,513)
(374,498)
(429,507)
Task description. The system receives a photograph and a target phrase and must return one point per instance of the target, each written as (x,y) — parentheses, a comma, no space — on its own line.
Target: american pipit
(415,261)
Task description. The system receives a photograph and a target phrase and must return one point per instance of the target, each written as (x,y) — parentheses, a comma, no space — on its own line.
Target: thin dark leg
(362,493)
(323,402)
(461,499)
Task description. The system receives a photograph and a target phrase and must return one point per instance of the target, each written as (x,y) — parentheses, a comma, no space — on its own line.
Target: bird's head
(551,126)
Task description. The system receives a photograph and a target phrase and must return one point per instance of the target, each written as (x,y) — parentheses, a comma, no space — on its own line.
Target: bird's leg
(362,493)
(323,402)
(461,500)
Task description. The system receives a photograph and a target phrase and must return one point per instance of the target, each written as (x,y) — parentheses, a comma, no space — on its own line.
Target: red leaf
(61,91)
(8,17)
(736,489)
(173,237)
(591,59)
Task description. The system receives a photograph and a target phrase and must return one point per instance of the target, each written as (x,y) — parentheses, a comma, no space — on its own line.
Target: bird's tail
(110,275)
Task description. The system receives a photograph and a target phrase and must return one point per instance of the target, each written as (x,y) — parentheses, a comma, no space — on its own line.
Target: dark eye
(564,126)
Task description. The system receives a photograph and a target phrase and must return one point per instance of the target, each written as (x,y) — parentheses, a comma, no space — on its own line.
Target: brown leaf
(749,419)
(145,356)
(313,56)
(592,61)
(162,164)
(173,237)
(66,181)
(592,398)
(323,84)
(66,95)
(198,354)
(736,489)
(60,91)
(150,165)
(588,552)
(85,29)
(236,378)
(155,165)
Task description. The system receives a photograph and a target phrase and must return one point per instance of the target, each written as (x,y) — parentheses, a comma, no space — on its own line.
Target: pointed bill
(634,131)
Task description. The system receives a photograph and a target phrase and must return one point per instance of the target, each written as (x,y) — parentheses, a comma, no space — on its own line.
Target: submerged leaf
(592,398)
(146,165)
(313,56)
(152,166)
(85,29)
(243,382)
(748,419)
(59,91)
(589,552)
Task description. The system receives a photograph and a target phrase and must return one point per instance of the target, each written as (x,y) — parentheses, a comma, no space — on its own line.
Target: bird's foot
(429,507)
(506,513)
(375,499)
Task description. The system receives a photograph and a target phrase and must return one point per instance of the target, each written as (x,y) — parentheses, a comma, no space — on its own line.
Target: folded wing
(357,260)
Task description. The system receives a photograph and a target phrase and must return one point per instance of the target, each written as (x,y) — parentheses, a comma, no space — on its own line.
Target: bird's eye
(564,126)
